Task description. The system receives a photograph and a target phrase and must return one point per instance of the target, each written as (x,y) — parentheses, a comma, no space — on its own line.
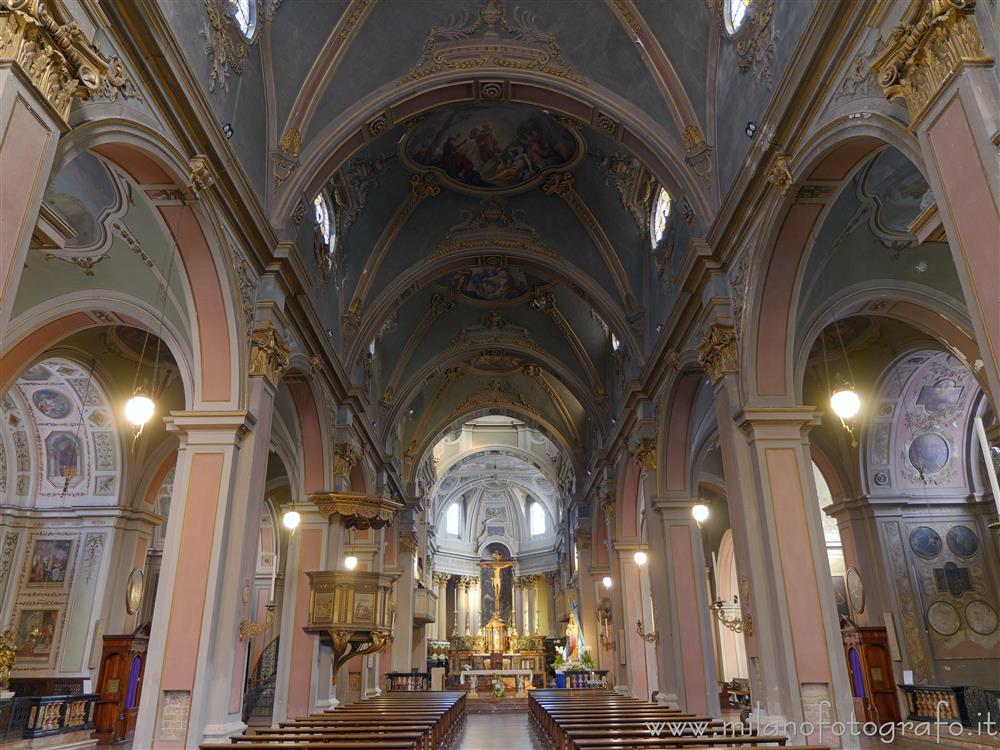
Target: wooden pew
(397,721)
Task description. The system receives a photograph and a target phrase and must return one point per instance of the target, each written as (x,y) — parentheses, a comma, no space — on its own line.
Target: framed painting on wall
(36,631)
(49,564)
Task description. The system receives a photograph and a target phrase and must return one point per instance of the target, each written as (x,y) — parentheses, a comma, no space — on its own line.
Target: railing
(971,706)
(408,681)
(33,716)
(595,678)
(258,699)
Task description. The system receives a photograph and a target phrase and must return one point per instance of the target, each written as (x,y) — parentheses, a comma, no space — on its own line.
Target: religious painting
(49,564)
(489,283)
(62,451)
(840,596)
(962,541)
(491,148)
(38,372)
(928,453)
(925,542)
(36,630)
(51,403)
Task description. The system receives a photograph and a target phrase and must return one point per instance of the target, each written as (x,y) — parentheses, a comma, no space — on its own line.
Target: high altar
(495,648)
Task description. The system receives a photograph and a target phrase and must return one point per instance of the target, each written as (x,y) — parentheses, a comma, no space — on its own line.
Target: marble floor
(498,732)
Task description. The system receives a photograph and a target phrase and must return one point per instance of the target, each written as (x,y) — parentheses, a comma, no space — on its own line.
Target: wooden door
(882,686)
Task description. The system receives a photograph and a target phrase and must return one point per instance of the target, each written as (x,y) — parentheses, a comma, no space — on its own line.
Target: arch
(676,443)
(310,431)
(431,268)
(155,166)
(414,385)
(627,519)
(924,309)
(833,156)
(44,326)
(508,410)
(583,101)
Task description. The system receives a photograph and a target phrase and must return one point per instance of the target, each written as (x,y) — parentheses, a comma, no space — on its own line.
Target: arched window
(453,519)
(536,518)
(245,16)
(615,343)
(324,221)
(661,213)
(736,14)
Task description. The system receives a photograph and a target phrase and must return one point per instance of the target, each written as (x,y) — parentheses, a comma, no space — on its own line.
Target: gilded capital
(608,506)
(269,355)
(582,538)
(57,57)
(407,543)
(923,54)
(345,456)
(717,351)
(645,453)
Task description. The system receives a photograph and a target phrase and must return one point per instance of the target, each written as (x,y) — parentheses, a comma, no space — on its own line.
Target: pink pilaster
(178,679)
(29,134)
(797,670)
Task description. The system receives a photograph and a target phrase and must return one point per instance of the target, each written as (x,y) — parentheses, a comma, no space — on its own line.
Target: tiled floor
(498,732)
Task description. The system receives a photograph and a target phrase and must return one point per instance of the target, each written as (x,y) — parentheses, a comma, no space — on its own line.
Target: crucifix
(496,566)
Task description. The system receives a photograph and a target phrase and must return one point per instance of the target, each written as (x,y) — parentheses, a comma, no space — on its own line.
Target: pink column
(797,668)
(631,612)
(177,683)
(680,599)
(223,707)
(29,135)
(939,65)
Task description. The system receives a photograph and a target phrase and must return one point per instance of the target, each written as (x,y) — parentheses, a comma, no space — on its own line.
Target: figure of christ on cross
(496,566)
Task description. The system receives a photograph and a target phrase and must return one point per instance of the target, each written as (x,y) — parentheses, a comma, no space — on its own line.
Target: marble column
(40,76)
(939,66)
(517,589)
(532,605)
(797,667)
(552,577)
(189,599)
(475,606)
(462,599)
(441,584)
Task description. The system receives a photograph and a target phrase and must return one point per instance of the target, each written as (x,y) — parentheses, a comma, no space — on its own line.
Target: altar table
(518,674)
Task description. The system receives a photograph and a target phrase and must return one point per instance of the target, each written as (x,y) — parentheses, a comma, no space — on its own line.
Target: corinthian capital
(269,356)
(717,351)
(924,51)
(57,57)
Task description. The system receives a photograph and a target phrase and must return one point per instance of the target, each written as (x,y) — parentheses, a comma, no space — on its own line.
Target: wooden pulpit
(119,685)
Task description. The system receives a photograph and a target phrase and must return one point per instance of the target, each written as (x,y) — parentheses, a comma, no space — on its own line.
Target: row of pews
(604,720)
(393,721)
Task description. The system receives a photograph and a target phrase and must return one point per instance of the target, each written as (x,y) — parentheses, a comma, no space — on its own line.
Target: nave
(368,359)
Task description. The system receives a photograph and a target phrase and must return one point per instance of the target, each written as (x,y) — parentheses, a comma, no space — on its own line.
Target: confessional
(869,667)
(119,685)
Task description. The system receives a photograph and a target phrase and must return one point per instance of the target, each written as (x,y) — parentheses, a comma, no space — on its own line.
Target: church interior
(472,374)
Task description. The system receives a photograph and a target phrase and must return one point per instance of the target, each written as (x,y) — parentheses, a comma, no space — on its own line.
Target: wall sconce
(652,637)
(742,624)
(250,629)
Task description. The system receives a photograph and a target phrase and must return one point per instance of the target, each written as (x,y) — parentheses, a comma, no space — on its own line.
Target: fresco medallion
(943,618)
(51,403)
(962,541)
(925,542)
(491,149)
(982,618)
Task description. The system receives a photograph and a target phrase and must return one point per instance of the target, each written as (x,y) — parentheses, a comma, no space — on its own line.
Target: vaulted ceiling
(490,169)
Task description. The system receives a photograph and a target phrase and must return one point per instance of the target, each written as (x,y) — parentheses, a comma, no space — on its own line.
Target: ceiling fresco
(491,149)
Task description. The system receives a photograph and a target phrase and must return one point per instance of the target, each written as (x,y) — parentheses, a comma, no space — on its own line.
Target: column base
(222,732)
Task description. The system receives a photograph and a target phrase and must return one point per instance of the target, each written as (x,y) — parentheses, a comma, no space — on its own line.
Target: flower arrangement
(499,689)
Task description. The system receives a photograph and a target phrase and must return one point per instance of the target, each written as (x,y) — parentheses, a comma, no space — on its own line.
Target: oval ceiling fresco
(494,149)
